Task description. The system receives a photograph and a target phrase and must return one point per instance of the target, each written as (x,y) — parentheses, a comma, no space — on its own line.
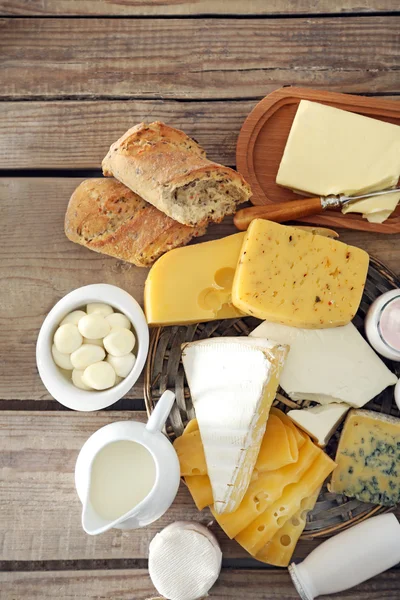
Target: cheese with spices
(290,276)
(368,458)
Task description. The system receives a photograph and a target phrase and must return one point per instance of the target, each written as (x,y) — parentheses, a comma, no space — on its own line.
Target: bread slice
(170,170)
(106,216)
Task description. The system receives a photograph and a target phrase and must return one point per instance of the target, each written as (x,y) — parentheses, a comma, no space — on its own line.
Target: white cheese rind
(184,561)
(233,382)
(320,422)
(328,365)
(333,151)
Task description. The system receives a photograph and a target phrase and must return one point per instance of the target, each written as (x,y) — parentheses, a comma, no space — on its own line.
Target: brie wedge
(320,422)
(232,382)
(328,365)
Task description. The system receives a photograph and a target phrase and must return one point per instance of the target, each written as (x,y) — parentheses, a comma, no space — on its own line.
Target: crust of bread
(107,217)
(170,170)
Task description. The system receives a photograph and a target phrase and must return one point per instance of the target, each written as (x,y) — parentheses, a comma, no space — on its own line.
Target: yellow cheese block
(262,529)
(278,447)
(266,490)
(290,276)
(191,454)
(193,284)
(368,458)
(200,490)
(279,550)
(299,435)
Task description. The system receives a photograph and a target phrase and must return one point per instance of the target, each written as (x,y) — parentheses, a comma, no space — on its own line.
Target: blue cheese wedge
(233,382)
(368,458)
(329,365)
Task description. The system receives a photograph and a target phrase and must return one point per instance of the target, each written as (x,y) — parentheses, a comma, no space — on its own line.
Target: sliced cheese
(262,529)
(278,447)
(320,422)
(193,284)
(266,490)
(299,436)
(368,458)
(200,490)
(191,454)
(191,426)
(333,151)
(233,382)
(279,550)
(329,365)
(290,276)
(376,209)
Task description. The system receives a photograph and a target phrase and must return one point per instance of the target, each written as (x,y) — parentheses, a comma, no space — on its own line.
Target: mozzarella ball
(86,355)
(99,376)
(77,380)
(119,320)
(62,360)
(122,365)
(98,308)
(94,326)
(98,342)
(67,338)
(73,317)
(118,380)
(119,341)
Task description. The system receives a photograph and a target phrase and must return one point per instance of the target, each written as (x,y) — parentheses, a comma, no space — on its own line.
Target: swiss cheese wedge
(278,447)
(233,382)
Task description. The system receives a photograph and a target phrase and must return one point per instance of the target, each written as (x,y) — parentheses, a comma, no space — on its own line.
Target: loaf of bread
(170,170)
(107,217)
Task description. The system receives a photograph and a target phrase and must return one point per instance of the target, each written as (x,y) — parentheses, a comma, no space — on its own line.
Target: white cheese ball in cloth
(184,561)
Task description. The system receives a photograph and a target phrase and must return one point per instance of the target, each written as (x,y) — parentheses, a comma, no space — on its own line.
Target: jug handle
(159,415)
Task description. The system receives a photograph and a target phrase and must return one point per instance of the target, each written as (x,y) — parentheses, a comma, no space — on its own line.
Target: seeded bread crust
(107,217)
(170,170)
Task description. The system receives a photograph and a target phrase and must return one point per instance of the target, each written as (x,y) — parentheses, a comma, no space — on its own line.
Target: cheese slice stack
(233,382)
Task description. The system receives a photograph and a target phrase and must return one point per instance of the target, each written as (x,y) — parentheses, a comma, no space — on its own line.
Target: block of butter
(289,276)
(333,151)
(193,284)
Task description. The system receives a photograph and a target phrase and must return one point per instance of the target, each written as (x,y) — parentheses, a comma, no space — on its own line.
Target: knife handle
(279,212)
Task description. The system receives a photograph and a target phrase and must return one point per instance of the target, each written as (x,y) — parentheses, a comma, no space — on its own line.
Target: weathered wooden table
(75,75)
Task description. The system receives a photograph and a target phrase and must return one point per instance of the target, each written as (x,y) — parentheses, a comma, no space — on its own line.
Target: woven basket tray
(164,370)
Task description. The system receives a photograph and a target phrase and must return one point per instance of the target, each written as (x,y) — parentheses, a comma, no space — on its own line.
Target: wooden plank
(39,265)
(40,514)
(197,7)
(128,584)
(205,58)
(77,135)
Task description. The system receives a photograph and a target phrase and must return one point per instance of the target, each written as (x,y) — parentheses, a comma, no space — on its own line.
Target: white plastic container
(382,325)
(349,558)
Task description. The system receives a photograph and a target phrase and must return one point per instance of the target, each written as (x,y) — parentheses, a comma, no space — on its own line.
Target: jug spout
(93,523)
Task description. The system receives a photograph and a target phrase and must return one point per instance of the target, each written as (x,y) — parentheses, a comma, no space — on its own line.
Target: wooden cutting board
(262,140)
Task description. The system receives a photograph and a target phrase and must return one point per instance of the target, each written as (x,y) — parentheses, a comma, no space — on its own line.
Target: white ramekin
(57,385)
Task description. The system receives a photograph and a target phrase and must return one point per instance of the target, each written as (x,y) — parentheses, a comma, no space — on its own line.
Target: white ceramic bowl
(56,383)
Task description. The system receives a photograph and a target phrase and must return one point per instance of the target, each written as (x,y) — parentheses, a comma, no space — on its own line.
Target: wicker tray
(164,370)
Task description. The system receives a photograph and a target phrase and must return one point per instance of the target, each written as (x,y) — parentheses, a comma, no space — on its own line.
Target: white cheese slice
(184,561)
(320,422)
(233,382)
(328,365)
(376,209)
(333,151)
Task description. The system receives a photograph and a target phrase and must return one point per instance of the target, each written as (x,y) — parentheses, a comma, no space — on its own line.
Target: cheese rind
(233,382)
(320,422)
(368,458)
(193,284)
(333,151)
(329,365)
(290,276)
